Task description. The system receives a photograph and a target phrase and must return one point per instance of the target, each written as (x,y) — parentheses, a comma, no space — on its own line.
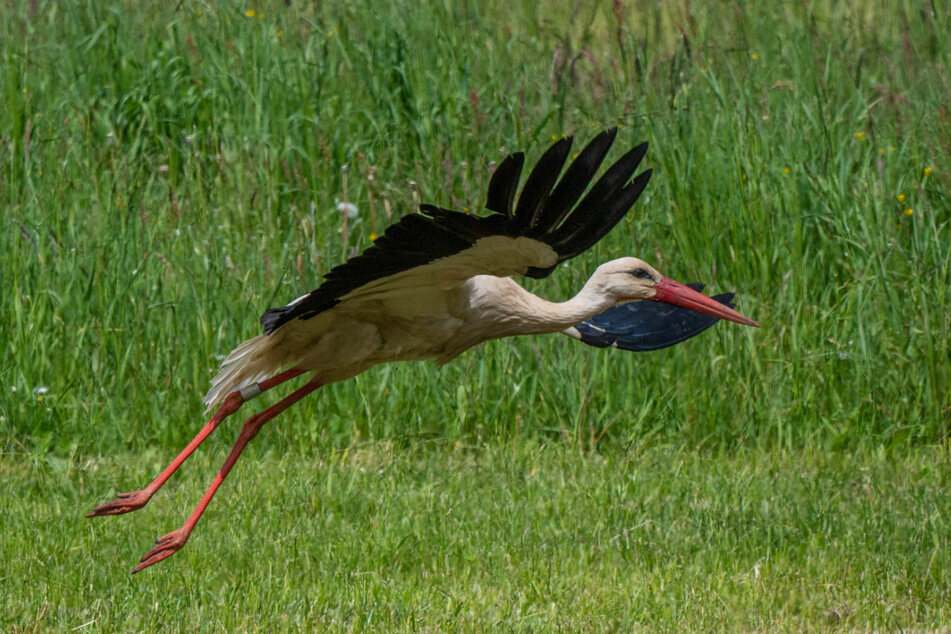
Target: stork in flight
(438,282)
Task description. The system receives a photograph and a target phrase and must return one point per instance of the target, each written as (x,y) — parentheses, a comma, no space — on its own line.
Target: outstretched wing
(645,325)
(444,248)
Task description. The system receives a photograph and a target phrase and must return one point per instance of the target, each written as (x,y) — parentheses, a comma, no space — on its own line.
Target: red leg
(167,545)
(135,500)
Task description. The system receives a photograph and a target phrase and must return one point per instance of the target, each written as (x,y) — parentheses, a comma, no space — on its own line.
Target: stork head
(629,279)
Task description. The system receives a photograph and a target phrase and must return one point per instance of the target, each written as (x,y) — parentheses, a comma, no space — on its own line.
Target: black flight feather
(576,180)
(539,184)
(503,184)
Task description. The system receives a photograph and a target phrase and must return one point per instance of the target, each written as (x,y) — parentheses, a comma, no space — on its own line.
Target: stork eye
(641,274)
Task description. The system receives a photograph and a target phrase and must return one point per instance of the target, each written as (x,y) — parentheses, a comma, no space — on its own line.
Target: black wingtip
(607,202)
(645,325)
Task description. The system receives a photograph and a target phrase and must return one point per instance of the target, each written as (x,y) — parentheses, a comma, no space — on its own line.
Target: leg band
(252,391)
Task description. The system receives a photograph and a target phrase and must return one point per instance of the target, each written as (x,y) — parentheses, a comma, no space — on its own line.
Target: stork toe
(165,546)
(124,503)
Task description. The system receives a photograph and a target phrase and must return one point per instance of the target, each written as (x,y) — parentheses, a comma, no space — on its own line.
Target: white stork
(438,282)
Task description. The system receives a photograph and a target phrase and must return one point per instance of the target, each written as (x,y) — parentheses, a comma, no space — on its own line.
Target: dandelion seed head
(349,209)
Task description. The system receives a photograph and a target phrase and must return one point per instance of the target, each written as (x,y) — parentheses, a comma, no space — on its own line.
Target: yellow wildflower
(927,171)
(908,211)
(250,13)
(785,170)
(755,55)
(373,237)
(901,198)
(859,135)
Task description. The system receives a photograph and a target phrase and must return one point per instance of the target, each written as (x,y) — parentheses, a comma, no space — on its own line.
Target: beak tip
(675,293)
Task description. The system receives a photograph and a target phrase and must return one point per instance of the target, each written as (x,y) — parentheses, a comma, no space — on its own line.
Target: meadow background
(168,171)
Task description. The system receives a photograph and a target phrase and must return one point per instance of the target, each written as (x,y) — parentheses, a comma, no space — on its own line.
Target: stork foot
(124,503)
(165,547)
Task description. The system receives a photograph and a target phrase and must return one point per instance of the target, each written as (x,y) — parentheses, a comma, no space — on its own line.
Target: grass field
(503,537)
(168,172)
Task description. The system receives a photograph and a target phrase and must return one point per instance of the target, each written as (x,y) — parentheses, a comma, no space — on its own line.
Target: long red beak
(672,292)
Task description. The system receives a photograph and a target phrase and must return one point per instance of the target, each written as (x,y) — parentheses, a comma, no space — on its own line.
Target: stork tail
(246,366)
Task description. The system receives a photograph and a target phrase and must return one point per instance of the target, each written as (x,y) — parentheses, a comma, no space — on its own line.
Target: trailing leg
(168,544)
(135,500)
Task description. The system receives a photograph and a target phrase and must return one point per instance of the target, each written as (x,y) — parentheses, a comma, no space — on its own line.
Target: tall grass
(167,172)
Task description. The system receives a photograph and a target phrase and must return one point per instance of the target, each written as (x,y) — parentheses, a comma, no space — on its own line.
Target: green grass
(512,537)
(168,172)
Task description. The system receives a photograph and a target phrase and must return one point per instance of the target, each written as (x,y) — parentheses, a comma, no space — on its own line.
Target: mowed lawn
(167,172)
(436,537)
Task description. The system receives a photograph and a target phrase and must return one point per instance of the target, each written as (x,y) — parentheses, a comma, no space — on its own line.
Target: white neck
(517,311)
